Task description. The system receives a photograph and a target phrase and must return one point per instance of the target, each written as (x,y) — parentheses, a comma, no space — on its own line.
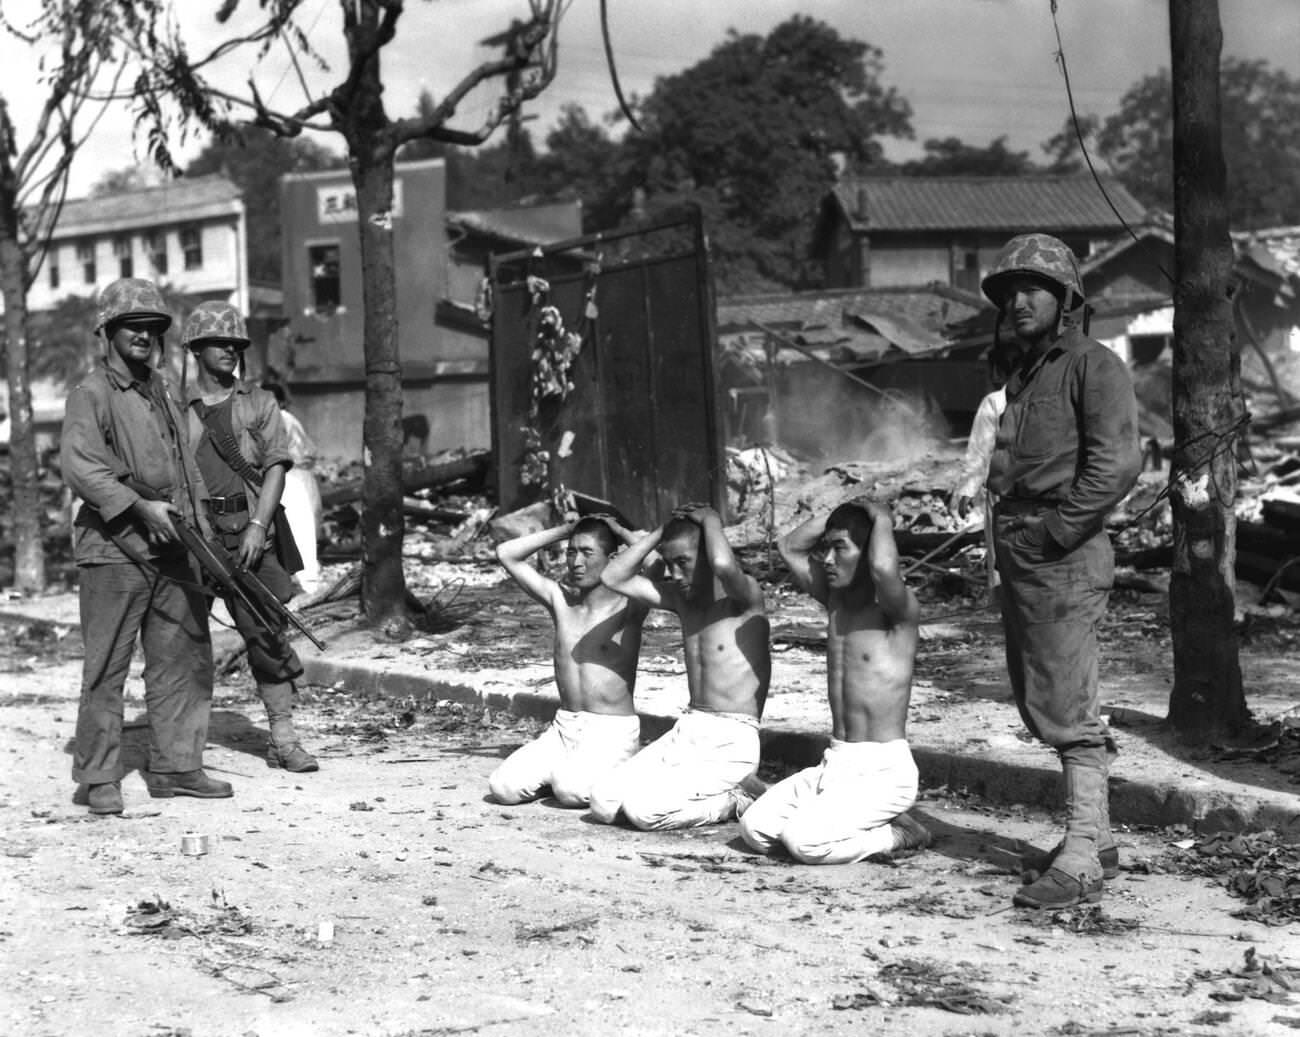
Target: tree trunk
(1207,697)
(371,156)
(29,553)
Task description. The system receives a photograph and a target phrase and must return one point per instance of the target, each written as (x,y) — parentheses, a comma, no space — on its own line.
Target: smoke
(829,418)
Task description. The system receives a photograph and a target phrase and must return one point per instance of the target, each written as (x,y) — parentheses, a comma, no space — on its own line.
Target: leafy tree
(1063,152)
(749,134)
(129,178)
(80,63)
(1261,142)
(951,157)
(176,74)
(582,160)
(255,159)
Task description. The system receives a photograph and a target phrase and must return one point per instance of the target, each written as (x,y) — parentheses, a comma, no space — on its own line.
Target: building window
(122,250)
(86,257)
(155,244)
(968,272)
(326,285)
(53,260)
(192,247)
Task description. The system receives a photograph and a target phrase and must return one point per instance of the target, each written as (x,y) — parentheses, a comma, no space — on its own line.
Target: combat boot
(104,798)
(285,749)
(1034,863)
(1075,875)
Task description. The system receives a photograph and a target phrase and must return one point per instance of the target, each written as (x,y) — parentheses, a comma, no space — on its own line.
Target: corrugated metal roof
(1276,249)
(930,310)
(1003,203)
(176,199)
(533,224)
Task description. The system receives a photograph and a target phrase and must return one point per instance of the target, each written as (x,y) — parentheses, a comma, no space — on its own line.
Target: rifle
(229,577)
(232,580)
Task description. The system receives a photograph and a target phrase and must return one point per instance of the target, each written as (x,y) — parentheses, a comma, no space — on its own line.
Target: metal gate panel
(641,419)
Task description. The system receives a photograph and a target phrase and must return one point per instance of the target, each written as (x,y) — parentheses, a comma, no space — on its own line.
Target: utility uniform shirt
(117,428)
(259,432)
(1069,437)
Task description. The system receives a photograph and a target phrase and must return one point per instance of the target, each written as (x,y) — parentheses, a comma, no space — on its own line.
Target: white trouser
(839,811)
(684,779)
(302,507)
(569,756)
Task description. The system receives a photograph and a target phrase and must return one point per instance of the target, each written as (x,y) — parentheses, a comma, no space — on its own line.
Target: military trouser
(271,657)
(120,601)
(1052,603)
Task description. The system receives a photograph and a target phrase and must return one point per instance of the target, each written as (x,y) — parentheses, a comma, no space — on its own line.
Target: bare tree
(80,65)
(1208,409)
(354,108)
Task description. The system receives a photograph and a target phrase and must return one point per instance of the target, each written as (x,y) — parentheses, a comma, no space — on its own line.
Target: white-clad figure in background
(301,499)
(969,498)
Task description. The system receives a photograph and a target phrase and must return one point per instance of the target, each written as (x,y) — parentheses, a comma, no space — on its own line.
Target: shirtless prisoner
(852,805)
(597,640)
(702,770)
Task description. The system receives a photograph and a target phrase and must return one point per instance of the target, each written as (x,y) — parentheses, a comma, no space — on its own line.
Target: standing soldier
(1066,453)
(243,452)
(124,451)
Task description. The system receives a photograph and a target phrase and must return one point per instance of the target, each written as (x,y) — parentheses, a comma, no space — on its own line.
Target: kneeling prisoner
(852,805)
(597,640)
(699,772)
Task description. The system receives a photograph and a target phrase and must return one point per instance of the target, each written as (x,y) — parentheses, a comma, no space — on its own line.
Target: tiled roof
(176,199)
(923,311)
(998,203)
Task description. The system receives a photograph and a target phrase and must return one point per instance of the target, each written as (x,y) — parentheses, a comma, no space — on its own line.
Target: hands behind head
(566,505)
(694,512)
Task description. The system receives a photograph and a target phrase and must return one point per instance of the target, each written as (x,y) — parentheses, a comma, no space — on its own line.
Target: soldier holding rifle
(123,429)
(243,452)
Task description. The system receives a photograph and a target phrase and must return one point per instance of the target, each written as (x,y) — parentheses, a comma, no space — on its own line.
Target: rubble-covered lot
(385,896)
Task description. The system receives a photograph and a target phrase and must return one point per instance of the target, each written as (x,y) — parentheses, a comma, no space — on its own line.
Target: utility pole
(1208,409)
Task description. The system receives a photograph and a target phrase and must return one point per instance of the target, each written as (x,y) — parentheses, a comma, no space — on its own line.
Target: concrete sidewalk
(969,740)
(963,727)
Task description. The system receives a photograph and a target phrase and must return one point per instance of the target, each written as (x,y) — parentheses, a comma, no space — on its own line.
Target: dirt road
(384,896)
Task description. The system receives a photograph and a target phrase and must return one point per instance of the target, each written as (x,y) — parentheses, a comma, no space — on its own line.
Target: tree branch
(539,35)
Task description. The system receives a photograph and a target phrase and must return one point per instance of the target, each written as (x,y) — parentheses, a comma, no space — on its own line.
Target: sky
(973,69)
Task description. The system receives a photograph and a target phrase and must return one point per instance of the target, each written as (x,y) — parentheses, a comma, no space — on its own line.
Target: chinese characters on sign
(337,203)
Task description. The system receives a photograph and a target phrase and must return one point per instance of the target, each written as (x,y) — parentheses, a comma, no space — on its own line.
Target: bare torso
(597,641)
(869,672)
(728,656)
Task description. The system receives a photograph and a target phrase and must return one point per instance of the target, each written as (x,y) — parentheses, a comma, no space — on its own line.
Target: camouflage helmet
(131,297)
(213,320)
(1039,255)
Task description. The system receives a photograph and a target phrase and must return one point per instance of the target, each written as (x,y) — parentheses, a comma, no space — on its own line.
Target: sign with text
(337,203)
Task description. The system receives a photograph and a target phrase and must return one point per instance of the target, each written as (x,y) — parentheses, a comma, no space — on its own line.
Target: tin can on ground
(195,845)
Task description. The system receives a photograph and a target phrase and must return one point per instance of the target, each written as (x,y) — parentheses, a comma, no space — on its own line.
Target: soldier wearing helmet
(243,452)
(1066,452)
(125,453)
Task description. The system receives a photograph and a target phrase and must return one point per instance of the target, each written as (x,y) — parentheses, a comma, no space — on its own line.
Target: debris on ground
(156,917)
(916,983)
(1086,920)
(1260,869)
(1257,977)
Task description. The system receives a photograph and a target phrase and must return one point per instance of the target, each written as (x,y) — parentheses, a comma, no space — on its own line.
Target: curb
(996,780)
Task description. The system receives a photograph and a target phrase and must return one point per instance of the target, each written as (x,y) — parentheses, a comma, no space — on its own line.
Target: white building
(187,234)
